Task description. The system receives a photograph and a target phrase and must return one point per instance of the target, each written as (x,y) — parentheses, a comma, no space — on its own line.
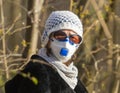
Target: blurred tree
(98,58)
(99,55)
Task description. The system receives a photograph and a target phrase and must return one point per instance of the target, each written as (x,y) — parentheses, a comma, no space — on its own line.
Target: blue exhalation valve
(64,52)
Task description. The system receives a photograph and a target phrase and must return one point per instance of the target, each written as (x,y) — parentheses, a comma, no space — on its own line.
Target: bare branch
(4,40)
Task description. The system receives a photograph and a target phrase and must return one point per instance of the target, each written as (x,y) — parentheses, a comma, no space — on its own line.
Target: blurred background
(98,58)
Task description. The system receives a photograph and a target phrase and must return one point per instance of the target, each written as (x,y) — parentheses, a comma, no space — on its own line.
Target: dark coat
(40,77)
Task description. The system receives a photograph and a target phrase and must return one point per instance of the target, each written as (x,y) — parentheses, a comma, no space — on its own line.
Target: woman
(52,70)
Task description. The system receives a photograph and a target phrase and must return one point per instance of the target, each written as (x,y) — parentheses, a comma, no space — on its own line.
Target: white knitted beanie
(61,20)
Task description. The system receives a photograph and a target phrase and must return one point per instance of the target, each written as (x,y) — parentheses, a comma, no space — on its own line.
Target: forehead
(67,31)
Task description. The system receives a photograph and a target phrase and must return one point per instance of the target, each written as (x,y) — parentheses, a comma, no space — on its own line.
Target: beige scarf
(68,73)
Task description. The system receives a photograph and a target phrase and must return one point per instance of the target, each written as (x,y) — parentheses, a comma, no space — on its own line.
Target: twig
(19,29)
(90,27)
(3,40)
(13,24)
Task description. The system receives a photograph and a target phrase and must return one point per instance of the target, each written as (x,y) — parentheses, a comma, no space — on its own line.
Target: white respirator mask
(63,50)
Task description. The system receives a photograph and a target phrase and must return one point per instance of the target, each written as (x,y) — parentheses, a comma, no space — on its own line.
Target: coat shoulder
(39,77)
(80,88)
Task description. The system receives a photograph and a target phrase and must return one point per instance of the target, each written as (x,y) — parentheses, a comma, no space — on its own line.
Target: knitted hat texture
(59,20)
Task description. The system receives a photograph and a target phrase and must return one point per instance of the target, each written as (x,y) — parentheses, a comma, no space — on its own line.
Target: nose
(67,39)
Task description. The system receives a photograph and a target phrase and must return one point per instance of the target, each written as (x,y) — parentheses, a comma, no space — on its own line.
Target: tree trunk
(37,6)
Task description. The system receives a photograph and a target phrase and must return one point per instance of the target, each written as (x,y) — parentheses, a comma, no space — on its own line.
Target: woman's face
(63,44)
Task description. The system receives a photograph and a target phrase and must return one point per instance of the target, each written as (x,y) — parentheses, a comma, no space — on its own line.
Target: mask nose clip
(68,40)
(64,52)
